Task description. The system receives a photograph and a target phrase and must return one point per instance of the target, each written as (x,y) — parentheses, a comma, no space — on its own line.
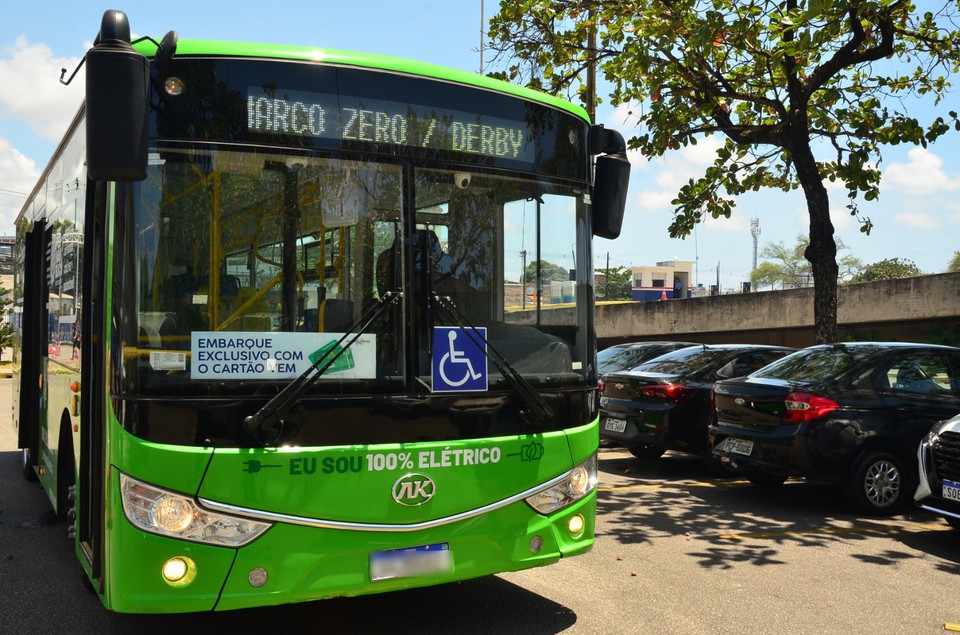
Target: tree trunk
(822,250)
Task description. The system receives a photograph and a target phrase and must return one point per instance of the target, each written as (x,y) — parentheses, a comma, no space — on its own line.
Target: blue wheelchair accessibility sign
(459,359)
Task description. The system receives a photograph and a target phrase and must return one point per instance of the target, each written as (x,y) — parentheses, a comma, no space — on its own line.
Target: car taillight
(802,406)
(671,392)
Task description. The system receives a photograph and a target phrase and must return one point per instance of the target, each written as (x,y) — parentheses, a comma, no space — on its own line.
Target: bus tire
(66,477)
(28,465)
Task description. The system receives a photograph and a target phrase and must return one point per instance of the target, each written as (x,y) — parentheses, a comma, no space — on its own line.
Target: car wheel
(766,480)
(878,483)
(647,452)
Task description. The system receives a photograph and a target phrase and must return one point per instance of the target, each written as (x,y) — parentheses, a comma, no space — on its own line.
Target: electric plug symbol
(253,466)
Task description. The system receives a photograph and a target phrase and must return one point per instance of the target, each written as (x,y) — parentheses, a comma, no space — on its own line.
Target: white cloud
(32,92)
(18,174)
(917,219)
(672,171)
(921,175)
(738,223)
(649,200)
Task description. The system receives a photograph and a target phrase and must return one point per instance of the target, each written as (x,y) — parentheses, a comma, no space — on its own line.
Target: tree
(618,284)
(954,262)
(790,269)
(780,80)
(889,269)
(6,329)
(548,272)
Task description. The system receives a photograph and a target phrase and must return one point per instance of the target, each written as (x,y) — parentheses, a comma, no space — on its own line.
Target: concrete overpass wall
(910,309)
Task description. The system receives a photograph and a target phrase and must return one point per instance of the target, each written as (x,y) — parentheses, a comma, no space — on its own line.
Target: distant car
(624,356)
(939,459)
(851,413)
(664,403)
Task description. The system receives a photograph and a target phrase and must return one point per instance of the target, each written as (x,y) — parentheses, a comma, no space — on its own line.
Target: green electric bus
(284,330)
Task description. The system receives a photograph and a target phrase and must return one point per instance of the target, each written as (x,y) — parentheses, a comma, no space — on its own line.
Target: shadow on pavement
(731,521)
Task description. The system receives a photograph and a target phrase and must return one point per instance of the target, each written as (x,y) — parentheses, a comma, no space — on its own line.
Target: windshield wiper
(537,409)
(269,418)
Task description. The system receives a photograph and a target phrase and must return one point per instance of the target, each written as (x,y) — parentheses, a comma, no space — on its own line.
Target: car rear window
(614,357)
(816,364)
(685,360)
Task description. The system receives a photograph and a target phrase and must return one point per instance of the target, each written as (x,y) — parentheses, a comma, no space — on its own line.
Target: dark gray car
(850,413)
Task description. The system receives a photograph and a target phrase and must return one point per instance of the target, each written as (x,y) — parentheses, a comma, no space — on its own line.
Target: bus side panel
(132,579)
(133,559)
(584,440)
(57,399)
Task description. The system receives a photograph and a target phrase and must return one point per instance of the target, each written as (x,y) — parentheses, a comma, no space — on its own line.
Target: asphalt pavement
(678,550)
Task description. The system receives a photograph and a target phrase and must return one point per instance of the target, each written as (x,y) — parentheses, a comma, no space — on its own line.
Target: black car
(664,404)
(849,413)
(624,356)
(939,458)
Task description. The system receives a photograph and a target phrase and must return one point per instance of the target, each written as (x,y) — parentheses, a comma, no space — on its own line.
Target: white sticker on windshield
(220,356)
(168,361)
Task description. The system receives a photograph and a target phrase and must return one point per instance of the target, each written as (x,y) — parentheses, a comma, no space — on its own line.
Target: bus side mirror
(116,104)
(610,181)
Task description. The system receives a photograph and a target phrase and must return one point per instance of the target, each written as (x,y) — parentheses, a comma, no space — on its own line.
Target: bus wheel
(27,465)
(66,478)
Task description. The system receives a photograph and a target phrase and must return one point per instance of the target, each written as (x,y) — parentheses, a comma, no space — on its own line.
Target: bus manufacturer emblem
(413,490)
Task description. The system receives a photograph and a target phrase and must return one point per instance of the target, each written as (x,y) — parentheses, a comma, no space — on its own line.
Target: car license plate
(951,490)
(615,425)
(738,446)
(411,562)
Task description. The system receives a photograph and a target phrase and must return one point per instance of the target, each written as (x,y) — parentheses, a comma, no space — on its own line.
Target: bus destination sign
(345,118)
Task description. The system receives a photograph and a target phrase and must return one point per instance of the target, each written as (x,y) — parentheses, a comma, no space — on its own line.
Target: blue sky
(916,218)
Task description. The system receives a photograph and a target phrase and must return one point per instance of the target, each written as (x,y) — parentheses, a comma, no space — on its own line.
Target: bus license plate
(738,446)
(951,490)
(615,425)
(411,562)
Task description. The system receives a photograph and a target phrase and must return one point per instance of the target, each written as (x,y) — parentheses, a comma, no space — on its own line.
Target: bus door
(93,372)
(33,351)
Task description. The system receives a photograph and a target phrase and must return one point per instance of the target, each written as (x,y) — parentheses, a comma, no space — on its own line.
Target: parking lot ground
(703,552)
(678,550)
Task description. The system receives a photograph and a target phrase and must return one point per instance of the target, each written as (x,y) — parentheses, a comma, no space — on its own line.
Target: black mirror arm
(63,72)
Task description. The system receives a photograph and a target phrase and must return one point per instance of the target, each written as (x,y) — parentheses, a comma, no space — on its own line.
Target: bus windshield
(248,264)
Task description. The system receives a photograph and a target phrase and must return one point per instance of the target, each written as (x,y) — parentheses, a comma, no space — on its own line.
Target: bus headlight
(579,483)
(167,513)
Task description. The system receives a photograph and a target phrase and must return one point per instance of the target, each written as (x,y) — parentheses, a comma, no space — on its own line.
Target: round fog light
(174,569)
(536,544)
(179,571)
(257,577)
(575,525)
